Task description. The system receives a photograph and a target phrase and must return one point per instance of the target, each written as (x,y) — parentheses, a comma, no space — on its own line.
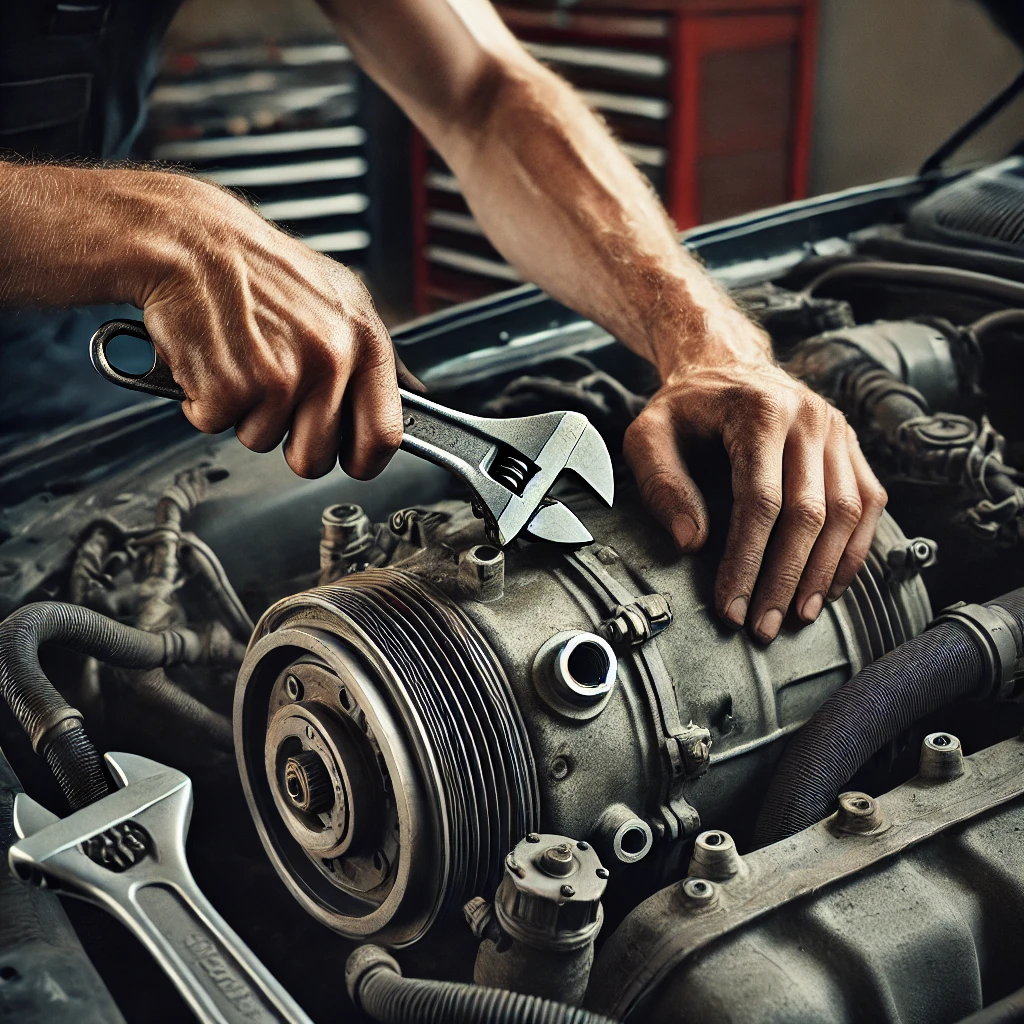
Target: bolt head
(293,688)
(699,891)
(532,837)
(567,891)
(602,872)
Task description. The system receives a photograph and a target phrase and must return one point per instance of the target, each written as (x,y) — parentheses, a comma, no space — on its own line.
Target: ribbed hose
(943,664)
(377,987)
(54,727)
(156,689)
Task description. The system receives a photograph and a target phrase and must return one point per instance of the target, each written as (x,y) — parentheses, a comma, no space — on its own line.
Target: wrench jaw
(592,464)
(554,523)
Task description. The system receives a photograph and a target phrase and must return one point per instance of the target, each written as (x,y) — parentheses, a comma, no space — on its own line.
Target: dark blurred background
(726,105)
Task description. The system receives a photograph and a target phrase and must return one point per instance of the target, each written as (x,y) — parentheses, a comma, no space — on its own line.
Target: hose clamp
(998,638)
(61,720)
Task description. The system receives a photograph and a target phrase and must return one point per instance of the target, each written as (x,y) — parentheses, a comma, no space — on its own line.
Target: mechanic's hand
(805,500)
(267,335)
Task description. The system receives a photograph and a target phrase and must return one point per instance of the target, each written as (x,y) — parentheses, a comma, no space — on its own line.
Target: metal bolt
(532,837)
(567,891)
(715,856)
(582,846)
(293,688)
(515,867)
(557,861)
(559,769)
(942,758)
(482,572)
(602,872)
(858,813)
(699,891)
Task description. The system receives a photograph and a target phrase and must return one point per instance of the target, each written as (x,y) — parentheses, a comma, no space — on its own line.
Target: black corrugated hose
(957,657)
(377,987)
(54,727)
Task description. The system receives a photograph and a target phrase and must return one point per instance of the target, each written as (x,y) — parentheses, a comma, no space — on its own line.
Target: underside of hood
(1009,16)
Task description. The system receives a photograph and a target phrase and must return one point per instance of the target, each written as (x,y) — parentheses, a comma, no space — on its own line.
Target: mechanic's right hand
(264,333)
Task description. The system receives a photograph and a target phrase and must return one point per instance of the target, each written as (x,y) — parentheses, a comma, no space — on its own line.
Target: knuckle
(812,409)
(808,513)
(207,419)
(846,509)
(771,409)
(304,464)
(877,495)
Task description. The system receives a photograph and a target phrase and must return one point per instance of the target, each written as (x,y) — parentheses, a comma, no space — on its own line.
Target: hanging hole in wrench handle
(157,380)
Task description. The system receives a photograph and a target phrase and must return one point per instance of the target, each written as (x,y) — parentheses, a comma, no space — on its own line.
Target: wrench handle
(215,972)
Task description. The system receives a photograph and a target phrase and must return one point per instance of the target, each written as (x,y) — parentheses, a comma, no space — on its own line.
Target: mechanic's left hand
(805,500)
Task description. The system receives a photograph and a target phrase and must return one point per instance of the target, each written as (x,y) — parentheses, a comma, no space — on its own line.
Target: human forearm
(259,330)
(595,236)
(73,235)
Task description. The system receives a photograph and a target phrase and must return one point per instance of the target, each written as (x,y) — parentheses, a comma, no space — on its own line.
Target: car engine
(548,783)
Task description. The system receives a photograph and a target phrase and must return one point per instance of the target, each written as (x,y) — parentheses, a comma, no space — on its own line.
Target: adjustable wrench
(508,464)
(126,854)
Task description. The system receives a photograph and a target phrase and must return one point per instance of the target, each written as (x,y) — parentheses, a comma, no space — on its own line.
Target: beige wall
(895,77)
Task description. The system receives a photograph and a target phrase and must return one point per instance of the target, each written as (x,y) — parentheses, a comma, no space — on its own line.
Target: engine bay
(546,771)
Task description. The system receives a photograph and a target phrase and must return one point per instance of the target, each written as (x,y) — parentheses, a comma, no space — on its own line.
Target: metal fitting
(942,758)
(859,814)
(715,857)
(699,892)
(346,534)
(998,638)
(537,905)
(906,560)
(635,623)
(363,962)
(574,673)
(622,836)
(482,572)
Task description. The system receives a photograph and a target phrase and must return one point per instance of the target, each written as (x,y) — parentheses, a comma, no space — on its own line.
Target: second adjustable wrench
(508,464)
(126,854)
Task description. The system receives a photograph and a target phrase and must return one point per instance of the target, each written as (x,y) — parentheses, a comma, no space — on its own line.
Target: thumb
(651,447)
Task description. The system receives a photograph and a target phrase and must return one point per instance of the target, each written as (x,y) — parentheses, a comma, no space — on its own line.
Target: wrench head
(591,461)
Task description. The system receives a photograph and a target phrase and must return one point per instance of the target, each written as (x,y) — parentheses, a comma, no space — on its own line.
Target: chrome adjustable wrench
(508,464)
(126,854)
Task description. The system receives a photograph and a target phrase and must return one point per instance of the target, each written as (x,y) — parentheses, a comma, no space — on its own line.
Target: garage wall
(895,77)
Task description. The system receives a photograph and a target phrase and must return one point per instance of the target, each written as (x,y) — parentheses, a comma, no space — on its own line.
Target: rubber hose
(53,726)
(377,987)
(943,664)
(997,288)
(154,687)
(1009,1010)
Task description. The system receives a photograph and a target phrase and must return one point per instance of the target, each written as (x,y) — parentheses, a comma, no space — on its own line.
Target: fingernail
(684,529)
(812,607)
(769,624)
(736,613)
(836,591)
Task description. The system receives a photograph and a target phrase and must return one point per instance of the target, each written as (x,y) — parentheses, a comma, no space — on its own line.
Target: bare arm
(560,201)
(262,332)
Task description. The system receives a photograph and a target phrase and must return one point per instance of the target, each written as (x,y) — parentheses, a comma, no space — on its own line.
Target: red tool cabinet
(711,99)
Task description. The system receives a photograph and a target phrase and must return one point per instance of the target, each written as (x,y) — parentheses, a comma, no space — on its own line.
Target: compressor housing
(400,728)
